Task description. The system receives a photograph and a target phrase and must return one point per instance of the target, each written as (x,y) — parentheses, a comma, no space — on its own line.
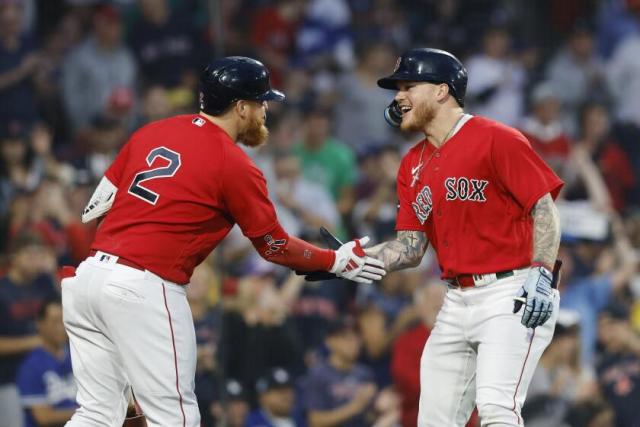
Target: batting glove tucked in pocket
(537,296)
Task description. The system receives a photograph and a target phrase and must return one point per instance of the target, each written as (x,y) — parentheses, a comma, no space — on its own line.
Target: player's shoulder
(184,123)
(499,132)
(188,133)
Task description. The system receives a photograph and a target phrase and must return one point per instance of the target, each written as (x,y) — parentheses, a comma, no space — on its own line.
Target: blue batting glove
(537,296)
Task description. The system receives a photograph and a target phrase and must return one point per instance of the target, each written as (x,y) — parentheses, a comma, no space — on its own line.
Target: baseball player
(171,195)
(476,191)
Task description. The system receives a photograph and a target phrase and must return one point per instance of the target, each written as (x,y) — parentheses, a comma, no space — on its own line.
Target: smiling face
(419,103)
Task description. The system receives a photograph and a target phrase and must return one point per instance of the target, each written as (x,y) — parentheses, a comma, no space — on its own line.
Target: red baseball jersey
(473,196)
(182,185)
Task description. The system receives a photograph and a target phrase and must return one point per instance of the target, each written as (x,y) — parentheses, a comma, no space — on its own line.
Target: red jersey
(182,184)
(473,196)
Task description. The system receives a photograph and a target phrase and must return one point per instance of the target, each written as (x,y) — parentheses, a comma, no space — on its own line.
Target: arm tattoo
(406,251)
(546,231)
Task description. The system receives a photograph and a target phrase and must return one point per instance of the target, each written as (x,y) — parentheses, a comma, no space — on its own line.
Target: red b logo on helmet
(397,64)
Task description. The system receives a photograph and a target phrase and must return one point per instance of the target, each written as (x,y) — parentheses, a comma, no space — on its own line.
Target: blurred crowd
(78,76)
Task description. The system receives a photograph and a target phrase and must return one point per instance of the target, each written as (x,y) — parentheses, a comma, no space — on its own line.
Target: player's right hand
(353,264)
(537,296)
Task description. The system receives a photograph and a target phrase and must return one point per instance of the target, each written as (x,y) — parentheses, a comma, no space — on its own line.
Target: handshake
(351,262)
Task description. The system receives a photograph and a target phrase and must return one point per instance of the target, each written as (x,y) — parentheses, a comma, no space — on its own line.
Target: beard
(422,115)
(254,134)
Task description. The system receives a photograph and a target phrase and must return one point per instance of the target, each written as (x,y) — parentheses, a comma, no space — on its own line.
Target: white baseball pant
(129,328)
(479,354)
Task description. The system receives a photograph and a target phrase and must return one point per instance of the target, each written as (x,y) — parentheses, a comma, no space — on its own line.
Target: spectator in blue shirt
(23,292)
(588,287)
(276,399)
(340,392)
(19,62)
(45,378)
(619,364)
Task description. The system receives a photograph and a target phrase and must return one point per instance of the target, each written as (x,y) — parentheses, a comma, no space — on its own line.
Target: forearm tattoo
(406,251)
(546,231)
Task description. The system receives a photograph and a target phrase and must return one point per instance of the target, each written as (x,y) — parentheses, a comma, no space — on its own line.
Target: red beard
(254,134)
(422,116)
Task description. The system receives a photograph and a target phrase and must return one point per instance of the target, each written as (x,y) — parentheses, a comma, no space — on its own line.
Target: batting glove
(353,264)
(537,296)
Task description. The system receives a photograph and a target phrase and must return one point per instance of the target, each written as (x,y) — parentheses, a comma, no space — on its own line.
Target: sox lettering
(466,189)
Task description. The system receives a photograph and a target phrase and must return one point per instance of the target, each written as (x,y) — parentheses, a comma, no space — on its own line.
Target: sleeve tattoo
(404,252)
(546,231)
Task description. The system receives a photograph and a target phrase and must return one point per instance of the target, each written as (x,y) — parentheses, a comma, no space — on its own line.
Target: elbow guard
(101,200)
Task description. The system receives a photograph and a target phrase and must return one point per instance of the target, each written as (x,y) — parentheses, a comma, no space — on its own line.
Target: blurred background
(78,76)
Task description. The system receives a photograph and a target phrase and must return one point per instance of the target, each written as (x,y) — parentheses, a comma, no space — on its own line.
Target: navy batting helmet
(230,79)
(429,65)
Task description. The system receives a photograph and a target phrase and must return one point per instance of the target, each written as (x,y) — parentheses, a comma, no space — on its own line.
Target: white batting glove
(353,264)
(537,297)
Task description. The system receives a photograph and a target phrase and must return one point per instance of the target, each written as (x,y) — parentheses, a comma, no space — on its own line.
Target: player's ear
(443,91)
(242,109)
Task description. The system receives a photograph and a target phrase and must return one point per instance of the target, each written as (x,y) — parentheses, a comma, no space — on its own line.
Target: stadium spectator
(165,45)
(318,305)
(558,383)
(55,51)
(407,349)
(103,138)
(386,312)
(207,324)
(340,392)
(359,119)
(302,205)
(324,41)
(99,71)
(275,398)
(259,335)
(51,217)
(23,291)
(496,81)
(591,275)
(576,71)
(17,173)
(619,366)
(327,161)
(544,128)
(156,105)
(273,32)
(232,409)
(598,142)
(19,63)
(45,378)
(374,214)
(590,414)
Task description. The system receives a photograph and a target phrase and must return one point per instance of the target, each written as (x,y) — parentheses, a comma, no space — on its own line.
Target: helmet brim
(391,82)
(271,95)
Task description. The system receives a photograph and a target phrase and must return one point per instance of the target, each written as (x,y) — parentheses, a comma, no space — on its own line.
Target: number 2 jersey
(473,197)
(182,185)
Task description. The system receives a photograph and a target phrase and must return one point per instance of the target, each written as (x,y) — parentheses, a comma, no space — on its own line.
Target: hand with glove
(372,268)
(537,296)
(353,264)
